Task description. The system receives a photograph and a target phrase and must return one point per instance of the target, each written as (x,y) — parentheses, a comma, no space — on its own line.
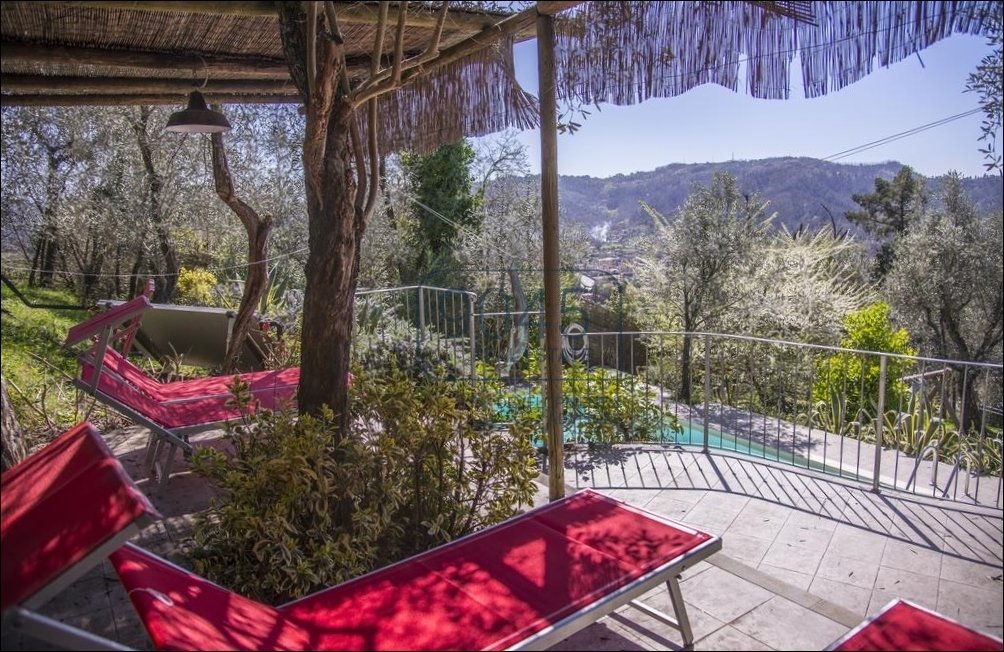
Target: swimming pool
(691,435)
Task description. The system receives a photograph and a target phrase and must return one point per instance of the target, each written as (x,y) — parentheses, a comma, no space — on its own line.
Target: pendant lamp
(197,118)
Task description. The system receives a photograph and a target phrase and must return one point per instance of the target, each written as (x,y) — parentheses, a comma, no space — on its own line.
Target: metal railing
(882,419)
(860,415)
(441,319)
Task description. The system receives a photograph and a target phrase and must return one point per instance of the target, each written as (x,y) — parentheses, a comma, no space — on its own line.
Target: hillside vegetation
(803,191)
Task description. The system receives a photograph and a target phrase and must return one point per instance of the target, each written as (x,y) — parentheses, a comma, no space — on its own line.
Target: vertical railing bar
(633,379)
(662,389)
(879,421)
(471,333)
(707,388)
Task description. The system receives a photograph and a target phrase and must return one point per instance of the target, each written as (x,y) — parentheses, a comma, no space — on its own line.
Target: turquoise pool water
(693,435)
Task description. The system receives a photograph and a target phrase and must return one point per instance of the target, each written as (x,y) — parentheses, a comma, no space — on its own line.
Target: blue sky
(712,124)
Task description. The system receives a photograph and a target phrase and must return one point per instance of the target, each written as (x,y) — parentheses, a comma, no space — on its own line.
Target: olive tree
(946,283)
(690,270)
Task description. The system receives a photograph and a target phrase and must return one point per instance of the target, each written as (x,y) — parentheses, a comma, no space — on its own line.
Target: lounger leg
(678,620)
(676,597)
(151,449)
(165,472)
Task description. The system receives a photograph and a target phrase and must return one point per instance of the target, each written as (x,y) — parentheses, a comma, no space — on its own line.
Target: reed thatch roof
(144,52)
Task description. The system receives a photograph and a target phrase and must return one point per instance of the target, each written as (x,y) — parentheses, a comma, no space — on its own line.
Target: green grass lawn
(36,366)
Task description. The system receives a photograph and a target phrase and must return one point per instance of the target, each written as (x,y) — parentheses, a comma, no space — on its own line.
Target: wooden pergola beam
(42,84)
(212,65)
(153,98)
(201,65)
(349,13)
(511,26)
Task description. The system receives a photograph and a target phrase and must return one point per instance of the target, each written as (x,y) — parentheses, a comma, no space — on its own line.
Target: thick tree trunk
(165,289)
(46,253)
(12,440)
(332,159)
(258,230)
(332,272)
(685,375)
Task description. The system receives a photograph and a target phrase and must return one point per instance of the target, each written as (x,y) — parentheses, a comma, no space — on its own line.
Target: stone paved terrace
(805,558)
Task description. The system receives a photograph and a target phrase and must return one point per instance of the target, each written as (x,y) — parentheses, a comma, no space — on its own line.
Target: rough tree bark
(334,173)
(165,290)
(258,230)
(12,440)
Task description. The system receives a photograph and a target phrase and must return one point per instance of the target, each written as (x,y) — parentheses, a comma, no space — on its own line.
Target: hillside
(800,190)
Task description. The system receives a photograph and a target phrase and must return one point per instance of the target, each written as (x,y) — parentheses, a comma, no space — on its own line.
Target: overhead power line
(903,134)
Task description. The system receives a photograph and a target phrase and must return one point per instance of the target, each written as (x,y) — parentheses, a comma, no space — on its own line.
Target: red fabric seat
(490,590)
(174,410)
(59,506)
(902,625)
(270,391)
(270,381)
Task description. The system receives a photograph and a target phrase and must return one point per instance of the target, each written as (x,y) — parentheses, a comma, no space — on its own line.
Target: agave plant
(918,427)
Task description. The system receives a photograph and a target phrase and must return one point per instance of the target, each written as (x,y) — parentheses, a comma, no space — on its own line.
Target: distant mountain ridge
(802,191)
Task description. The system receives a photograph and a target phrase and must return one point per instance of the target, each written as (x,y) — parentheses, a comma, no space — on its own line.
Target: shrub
(304,508)
(195,287)
(611,407)
(855,377)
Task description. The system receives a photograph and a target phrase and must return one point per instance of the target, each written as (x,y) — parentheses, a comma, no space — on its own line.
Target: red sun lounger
(903,625)
(526,583)
(171,411)
(64,509)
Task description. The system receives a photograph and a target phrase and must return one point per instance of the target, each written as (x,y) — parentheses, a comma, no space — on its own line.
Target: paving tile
(853,598)
(729,638)
(709,520)
(757,521)
(636,497)
(857,543)
(658,598)
(896,583)
(747,549)
(803,533)
(974,536)
(668,504)
(784,625)
(913,558)
(798,557)
(800,581)
(974,607)
(659,633)
(600,635)
(848,571)
(971,573)
(996,630)
(723,595)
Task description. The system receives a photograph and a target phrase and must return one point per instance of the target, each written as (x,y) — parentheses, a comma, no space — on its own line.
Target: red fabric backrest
(187,611)
(903,626)
(111,317)
(118,364)
(116,388)
(59,505)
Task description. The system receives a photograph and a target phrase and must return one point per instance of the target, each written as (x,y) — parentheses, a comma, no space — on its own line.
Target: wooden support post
(552,288)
